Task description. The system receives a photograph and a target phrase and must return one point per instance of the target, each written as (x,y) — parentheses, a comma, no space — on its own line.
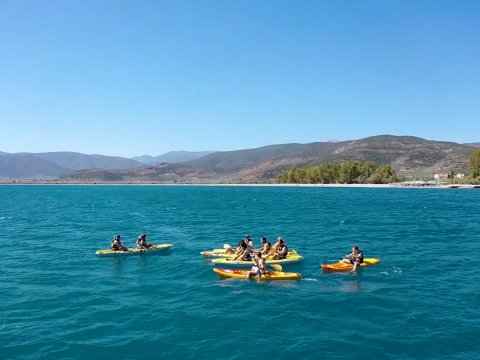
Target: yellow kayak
(223,253)
(269,275)
(342,266)
(134,250)
(291,258)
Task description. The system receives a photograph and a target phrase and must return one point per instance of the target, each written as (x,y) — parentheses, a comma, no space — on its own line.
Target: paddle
(277,267)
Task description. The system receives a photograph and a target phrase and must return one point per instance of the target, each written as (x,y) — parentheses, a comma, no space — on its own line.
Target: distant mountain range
(171,157)
(52,165)
(410,156)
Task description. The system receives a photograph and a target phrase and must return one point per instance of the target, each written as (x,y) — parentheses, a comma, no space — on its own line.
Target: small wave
(310,279)
(384,273)
(397,270)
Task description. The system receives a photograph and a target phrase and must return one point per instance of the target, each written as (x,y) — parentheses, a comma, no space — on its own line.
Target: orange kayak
(342,266)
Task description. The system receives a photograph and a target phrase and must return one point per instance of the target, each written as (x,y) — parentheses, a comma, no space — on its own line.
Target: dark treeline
(350,172)
(475,163)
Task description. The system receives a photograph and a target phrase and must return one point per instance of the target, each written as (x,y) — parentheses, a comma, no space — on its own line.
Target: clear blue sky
(129,78)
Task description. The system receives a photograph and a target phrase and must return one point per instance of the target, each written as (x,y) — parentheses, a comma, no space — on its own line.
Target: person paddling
(258,268)
(355,257)
(142,242)
(117,244)
(237,250)
(244,254)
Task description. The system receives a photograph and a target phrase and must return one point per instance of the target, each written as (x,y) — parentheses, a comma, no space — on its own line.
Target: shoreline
(406,185)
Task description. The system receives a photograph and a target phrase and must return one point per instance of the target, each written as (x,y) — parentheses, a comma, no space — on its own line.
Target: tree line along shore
(350,172)
(356,172)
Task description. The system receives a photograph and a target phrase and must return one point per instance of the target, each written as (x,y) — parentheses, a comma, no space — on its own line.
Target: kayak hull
(134,251)
(223,253)
(269,276)
(344,267)
(222,261)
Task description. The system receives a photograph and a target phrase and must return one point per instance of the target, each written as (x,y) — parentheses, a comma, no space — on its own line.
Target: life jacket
(116,245)
(280,250)
(358,257)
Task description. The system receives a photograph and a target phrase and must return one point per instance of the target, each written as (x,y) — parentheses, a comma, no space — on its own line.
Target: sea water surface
(58,300)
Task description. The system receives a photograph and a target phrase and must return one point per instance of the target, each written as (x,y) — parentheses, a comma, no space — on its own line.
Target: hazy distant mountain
(55,164)
(77,161)
(165,172)
(171,157)
(22,166)
(476,144)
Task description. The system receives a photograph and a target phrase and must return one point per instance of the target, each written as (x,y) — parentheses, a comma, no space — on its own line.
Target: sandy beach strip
(404,185)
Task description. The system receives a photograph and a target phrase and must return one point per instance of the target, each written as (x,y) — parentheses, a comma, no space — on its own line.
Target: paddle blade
(277,267)
(226,246)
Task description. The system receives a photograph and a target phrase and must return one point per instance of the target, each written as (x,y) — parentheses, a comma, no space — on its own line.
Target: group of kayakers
(246,249)
(141,243)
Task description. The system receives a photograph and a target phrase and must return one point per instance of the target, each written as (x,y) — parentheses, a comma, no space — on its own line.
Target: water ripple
(59,300)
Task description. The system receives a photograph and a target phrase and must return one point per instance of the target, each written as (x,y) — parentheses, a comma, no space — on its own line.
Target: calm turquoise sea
(58,300)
